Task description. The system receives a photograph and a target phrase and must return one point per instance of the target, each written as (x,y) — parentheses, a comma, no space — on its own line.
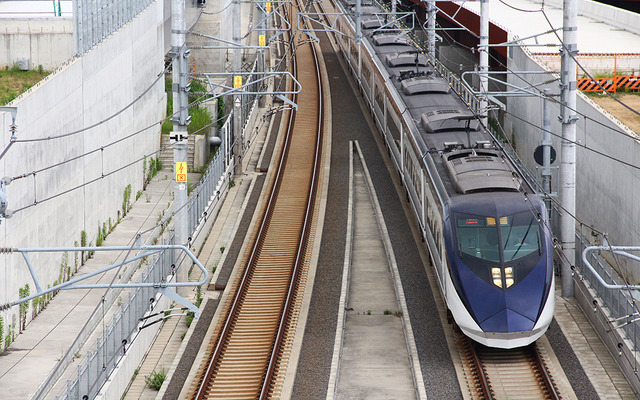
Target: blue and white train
(484,225)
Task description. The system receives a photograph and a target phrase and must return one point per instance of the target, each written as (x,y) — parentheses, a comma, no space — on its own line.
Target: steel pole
(484,59)
(546,151)
(431,28)
(237,70)
(358,22)
(180,121)
(568,158)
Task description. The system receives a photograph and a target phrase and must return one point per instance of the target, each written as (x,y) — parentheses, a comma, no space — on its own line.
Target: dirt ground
(626,116)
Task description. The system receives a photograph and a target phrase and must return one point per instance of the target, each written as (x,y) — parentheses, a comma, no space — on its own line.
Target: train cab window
(489,238)
(520,235)
(477,238)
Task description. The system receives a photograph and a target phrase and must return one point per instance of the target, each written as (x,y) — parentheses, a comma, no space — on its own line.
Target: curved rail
(276,258)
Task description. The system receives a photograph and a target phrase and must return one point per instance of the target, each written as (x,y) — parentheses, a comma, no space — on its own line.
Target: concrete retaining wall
(44,41)
(606,190)
(95,89)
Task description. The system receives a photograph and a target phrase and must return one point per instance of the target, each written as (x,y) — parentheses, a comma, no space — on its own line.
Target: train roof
(464,155)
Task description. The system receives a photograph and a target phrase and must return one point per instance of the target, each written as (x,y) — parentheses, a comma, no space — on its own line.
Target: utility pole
(358,22)
(262,41)
(483,49)
(568,159)
(431,28)
(546,151)
(237,82)
(180,121)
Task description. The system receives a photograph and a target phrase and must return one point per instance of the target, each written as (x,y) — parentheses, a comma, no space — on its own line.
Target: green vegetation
(1,333)
(200,116)
(189,317)
(155,165)
(156,379)
(126,200)
(14,82)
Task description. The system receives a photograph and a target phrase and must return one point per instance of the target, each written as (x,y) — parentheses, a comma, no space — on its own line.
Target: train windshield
(489,238)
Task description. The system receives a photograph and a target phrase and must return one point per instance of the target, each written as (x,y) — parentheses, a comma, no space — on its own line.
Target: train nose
(507,321)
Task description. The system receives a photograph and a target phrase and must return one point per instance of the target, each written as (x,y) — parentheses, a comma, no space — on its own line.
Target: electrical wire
(100,122)
(564,47)
(519,76)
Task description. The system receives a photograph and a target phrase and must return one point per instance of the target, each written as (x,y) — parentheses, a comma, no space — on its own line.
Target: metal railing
(102,360)
(614,311)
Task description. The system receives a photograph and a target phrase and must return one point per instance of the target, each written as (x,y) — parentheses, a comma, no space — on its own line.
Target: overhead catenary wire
(523,79)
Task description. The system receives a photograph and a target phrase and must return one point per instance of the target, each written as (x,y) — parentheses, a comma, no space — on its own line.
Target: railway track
(506,374)
(248,353)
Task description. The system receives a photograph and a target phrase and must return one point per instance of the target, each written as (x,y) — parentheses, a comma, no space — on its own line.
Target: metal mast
(568,158)
(180,120)
(483,49)
(431,28)
(237,70)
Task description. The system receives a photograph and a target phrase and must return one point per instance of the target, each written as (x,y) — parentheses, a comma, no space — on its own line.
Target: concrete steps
(166,155)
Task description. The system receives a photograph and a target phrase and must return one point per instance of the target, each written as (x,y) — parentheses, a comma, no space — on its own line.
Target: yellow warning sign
(261,40)
(268,6)
(237,81)
(181,172)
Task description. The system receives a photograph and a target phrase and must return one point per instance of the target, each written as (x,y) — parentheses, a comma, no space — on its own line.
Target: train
(484,222)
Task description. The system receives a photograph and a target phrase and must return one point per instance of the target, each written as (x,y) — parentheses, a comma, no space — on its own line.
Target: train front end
(500,290)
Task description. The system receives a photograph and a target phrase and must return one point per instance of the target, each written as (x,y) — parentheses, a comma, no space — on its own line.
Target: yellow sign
(261,40)
(181,172)
(237,81)
(268,6)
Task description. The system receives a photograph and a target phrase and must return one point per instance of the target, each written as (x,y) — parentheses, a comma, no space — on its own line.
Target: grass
(14,82)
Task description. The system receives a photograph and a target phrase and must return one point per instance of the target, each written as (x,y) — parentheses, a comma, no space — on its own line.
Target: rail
(263,300)
(207,194)
(497,373)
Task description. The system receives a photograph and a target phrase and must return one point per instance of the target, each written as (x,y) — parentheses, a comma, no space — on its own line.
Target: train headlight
(496,274)
(508,276)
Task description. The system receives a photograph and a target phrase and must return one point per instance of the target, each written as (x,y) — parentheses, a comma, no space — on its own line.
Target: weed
(232,183)
(368,312)
(222,249)
(156,379)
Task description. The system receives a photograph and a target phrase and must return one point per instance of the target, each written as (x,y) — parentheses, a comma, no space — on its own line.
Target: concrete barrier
(108,104)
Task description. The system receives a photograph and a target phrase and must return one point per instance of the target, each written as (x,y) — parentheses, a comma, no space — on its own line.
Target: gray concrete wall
(44,41)
(606,190)
(85,91)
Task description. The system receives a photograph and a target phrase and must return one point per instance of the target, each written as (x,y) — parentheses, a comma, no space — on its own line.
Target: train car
(478,211)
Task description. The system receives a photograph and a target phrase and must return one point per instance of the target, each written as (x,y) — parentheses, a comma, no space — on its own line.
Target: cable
(564,47)
(576,143)
(586,117)
(522,9)
(100,122)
